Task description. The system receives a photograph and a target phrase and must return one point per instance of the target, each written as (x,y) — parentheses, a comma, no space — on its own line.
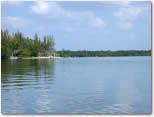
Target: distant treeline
(20,46)
(85,53)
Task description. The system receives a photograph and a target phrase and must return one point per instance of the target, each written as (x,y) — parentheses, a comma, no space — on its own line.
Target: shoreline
(40,57)
(52,57)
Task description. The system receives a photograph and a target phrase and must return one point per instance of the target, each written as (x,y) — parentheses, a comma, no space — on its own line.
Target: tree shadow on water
(27,71)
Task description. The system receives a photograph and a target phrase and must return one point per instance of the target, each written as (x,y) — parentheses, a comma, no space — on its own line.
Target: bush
(35,54)
(24,53)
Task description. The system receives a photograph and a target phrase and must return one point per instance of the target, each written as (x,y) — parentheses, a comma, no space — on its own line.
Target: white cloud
(54,10)
(126,16)
(13,22)
(40,7)
(124,3)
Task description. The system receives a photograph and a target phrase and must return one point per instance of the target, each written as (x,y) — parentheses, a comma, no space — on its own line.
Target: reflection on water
(20,78)
(22,73)
(110,85)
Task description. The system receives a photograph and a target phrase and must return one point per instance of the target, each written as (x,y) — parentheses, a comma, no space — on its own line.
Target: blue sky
(83,25)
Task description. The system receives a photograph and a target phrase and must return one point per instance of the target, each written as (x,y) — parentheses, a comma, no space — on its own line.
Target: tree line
(20,46)
(86,53)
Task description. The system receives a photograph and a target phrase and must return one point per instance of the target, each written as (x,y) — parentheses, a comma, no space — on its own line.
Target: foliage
(19,45)
(85,53)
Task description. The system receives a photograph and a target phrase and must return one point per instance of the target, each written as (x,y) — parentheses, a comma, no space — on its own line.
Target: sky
(83,25)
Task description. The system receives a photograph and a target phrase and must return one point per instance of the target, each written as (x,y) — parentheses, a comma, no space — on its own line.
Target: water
(106,85)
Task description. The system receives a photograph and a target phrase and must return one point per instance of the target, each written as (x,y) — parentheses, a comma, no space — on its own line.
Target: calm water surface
(106,85)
